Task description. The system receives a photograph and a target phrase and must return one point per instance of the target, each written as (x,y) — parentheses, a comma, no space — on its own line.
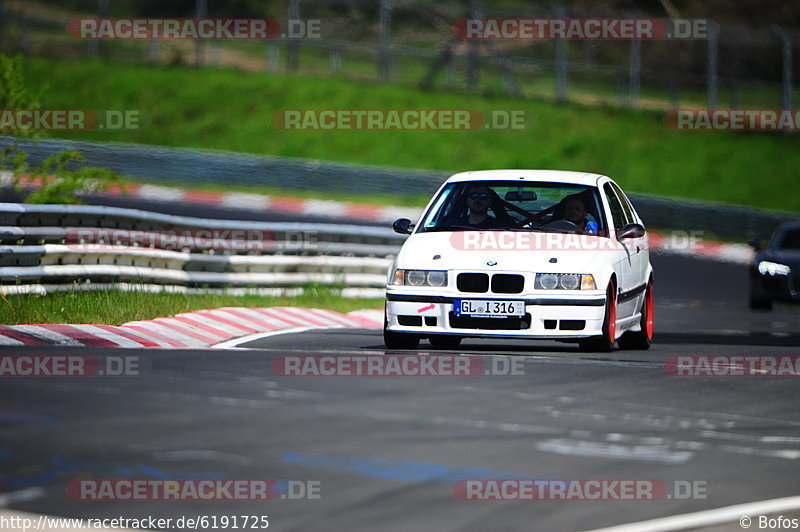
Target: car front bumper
(551,316)
(778,287)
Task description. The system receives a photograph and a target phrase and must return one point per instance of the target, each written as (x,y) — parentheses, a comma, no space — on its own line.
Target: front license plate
(482,308)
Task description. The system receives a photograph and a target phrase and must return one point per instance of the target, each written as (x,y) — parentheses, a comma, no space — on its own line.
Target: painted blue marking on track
(155,473)
(61,469)
(397,470)
(16,417)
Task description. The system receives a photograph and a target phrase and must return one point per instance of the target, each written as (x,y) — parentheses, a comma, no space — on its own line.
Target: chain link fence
(413,42)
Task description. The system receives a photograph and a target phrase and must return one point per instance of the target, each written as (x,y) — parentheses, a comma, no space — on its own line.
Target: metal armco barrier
(56,245)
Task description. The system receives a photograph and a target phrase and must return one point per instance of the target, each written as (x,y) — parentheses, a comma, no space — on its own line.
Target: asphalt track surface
(387,451)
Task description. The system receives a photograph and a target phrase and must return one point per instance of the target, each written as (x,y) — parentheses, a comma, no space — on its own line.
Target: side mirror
(402,226)
(631,231)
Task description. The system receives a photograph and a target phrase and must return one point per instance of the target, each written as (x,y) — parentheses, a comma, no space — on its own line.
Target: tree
(61,175)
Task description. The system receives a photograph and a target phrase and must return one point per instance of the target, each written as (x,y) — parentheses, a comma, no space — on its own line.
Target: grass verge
(232,110)
(117,307)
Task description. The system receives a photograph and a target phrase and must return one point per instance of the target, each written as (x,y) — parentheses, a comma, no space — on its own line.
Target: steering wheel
(528,219)
(562,225)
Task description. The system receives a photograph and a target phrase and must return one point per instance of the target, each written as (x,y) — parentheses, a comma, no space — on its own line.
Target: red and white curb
(239,200)
(204,328)
(677,242)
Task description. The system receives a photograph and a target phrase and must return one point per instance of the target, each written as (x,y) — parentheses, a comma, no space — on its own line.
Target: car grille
(502,324)
(472,282)
(507,284)
(502,283)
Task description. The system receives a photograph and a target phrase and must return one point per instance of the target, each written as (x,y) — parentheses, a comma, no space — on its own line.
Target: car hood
(509,250)
(790,257)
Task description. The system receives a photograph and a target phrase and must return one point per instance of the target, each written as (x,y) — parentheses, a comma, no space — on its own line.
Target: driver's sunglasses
(476,195)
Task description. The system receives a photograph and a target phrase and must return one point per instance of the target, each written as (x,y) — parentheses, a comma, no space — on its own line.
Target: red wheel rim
(612,317)
(648,309)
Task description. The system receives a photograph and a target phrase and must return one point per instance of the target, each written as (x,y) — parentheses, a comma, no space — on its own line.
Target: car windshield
(514,205)
(790,240)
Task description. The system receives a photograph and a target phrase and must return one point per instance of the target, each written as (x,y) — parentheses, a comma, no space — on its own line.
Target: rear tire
(605,342)
(444,341)
(643,338)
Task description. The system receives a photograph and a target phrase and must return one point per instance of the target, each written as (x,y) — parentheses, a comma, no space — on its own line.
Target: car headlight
(419,278)
(570,281)
(564,281)
(766,267)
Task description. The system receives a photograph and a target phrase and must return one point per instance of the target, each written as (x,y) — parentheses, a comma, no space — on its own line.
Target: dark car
(775,272)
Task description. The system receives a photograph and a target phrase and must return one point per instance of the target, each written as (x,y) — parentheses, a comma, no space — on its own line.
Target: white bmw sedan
(523,254)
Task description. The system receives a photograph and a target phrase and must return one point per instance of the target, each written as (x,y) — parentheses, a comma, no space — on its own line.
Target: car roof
(790,225)
(548,176)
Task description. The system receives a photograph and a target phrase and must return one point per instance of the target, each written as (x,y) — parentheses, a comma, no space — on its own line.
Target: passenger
(479,201)
(575,212)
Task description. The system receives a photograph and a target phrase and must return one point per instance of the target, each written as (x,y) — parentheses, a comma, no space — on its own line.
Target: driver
(575,212)
(479,200)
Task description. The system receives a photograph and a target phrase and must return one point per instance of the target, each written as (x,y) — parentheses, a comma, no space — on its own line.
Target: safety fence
(71,246)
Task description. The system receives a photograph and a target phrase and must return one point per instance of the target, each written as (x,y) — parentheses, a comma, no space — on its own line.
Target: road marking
(645,453)
(708,517)
(23,495)
(258,336)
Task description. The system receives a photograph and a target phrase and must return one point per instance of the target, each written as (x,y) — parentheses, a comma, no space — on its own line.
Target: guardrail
(58,245)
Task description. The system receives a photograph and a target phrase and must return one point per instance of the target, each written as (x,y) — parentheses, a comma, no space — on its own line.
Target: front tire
(394,340)
(758,301)
(444,341)
(643,338)
(605,342)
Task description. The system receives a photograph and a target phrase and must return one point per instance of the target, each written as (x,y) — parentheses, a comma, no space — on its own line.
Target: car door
(642,245)
(642,257)
(626,263)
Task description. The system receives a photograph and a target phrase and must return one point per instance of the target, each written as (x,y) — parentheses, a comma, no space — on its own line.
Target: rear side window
(626,205)
(790,239)
(617,212)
